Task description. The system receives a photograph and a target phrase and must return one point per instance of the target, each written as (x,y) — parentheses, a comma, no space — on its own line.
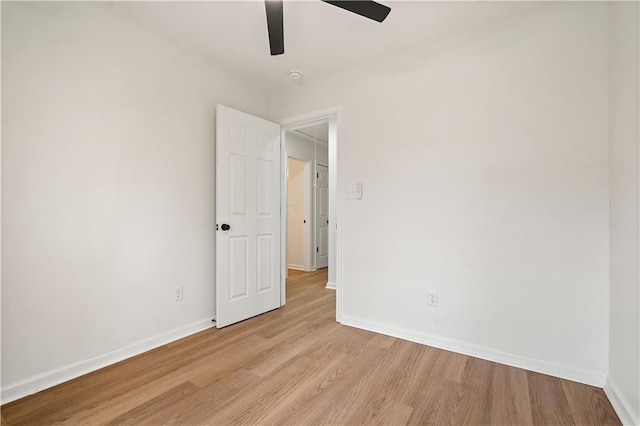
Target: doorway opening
(307,155)
(312,140)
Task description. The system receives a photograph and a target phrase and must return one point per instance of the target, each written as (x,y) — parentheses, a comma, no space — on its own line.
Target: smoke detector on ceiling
(295,75)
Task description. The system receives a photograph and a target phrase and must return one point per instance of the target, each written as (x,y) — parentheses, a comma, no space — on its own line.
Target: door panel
(238,176)
(265,187)
(322,216)
(238,254)
(265,263)
(247,200)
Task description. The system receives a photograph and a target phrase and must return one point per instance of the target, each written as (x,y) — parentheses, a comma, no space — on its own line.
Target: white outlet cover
(177,293)
(432,299)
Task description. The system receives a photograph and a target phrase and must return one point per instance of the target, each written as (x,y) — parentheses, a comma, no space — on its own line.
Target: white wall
(297,250)
(108,190)
(484,164)
(623,384)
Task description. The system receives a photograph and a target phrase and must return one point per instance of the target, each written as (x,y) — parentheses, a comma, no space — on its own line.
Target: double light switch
(354,191)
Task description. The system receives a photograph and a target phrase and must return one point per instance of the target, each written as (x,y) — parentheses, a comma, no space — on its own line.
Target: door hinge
(317,249)
(317,175)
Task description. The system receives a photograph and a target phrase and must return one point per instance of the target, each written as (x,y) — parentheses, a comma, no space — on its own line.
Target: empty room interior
(303,212)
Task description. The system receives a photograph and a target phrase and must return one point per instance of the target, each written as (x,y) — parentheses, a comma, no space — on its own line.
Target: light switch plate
(354,191)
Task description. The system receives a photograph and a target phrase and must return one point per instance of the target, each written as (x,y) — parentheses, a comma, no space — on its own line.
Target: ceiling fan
(275,22)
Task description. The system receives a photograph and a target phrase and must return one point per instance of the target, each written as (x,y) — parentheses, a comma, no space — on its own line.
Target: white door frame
(331,114)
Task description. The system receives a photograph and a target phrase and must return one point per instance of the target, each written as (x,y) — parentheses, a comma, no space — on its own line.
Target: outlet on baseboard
(177,293)
(432,299)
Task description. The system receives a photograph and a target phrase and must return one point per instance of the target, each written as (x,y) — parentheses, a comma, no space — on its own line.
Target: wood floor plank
(435,403)
(204,404)
(320,404)
(348,340)
(171,397)
(311,388)
(450,366)
(127,401)
(510,403)
(419,369)
(400,384)
(232,358)
(254,405)
(382,341)
(588,405)
(549,403)
(473,403)
(297,366)
(367,397)
(387,412)
(284,351)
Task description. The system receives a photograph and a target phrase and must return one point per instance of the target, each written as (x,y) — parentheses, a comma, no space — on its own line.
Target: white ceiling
(319,38)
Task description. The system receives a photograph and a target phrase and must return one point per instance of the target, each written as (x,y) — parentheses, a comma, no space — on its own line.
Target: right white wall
(484,159)
(623,382)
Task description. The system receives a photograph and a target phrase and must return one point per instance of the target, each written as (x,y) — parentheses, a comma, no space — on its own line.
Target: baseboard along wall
(620,404)
(37,383)
(593,378)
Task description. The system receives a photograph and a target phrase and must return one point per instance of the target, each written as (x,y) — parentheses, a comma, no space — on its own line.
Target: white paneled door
(247,216)
(322,216)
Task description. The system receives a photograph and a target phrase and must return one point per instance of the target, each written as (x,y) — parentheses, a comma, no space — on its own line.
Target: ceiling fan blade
(367,8)
(275,26)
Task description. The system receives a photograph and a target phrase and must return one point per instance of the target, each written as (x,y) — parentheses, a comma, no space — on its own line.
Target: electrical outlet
(177,293)
(432,299)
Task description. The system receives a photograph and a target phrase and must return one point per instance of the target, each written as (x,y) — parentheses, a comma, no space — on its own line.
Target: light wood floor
(296,365)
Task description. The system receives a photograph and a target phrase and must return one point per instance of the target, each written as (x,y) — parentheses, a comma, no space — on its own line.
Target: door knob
(225,227)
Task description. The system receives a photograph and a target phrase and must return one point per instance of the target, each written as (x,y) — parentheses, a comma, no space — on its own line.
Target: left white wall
(108,190)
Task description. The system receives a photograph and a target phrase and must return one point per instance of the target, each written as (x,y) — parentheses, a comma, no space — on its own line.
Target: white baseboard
(594,378)
(620,404)
(331,285)
(34,384)
(296,267)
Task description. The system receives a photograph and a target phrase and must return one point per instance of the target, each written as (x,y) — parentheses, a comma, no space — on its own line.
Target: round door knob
(225,227)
